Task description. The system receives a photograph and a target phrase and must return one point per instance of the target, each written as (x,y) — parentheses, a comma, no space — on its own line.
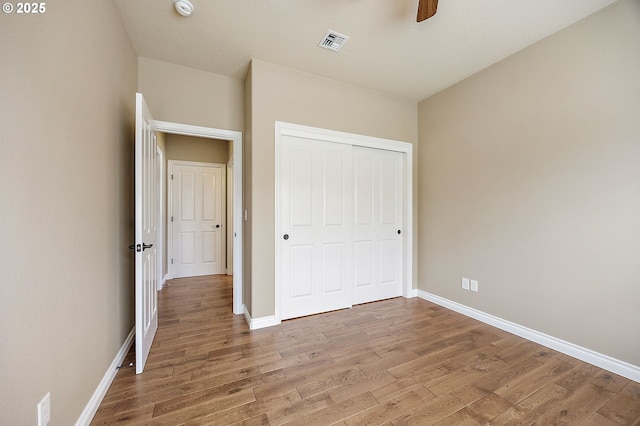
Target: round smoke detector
(184,7)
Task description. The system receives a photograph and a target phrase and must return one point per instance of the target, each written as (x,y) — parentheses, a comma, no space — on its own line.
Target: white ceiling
(387,50)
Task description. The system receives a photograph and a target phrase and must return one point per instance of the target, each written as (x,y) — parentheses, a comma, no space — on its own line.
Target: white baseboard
(93,404)
(613,365)
(257,323)
(163,281)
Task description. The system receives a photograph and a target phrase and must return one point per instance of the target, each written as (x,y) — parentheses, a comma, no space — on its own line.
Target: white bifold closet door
(377,227)
(316,215)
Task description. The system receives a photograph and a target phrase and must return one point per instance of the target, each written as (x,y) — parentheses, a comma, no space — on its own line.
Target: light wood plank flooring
(394,362)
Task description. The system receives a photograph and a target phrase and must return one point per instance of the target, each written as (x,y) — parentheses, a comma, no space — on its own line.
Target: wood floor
(399,361)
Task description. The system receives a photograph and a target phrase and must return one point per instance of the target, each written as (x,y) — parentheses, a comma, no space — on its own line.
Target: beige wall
(188,96)
(282,94)
(190,148)
(529,183)
(66,174)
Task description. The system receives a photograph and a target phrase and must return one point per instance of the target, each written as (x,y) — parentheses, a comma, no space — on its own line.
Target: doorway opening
(235,237)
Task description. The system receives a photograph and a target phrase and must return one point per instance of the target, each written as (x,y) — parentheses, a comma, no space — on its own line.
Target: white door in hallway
(315,215)
(377,225)
(197,219)
(146,228)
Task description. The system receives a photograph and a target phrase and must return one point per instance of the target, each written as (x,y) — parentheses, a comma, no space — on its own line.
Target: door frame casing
(161,217)
(236,138)
(314,133)
(229,202)
(171,271)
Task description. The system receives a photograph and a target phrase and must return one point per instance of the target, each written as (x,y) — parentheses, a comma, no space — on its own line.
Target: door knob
(399,232)
(217,226)
(285,236)
(139,248)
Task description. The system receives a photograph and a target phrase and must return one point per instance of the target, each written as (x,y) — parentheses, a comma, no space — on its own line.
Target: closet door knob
(285,236)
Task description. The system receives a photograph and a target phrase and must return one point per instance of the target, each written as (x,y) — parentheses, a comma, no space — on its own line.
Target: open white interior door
(146,224)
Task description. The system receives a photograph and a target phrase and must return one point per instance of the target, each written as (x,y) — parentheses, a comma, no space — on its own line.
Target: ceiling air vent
(333,41)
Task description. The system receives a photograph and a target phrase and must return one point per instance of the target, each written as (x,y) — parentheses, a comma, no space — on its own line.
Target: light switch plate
(474,285)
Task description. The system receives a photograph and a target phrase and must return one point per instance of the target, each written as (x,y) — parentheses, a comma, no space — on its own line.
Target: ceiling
(387,50)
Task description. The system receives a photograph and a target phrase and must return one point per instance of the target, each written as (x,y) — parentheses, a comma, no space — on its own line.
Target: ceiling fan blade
(426,9)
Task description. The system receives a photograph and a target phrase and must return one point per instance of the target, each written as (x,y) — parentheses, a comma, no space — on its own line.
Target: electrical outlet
(474,285)
(44,410)
(465,283)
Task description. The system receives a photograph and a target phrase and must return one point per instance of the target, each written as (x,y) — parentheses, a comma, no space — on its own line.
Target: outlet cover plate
(465,283)
(474,285)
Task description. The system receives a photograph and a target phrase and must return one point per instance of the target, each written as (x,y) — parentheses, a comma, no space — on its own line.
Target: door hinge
(171,218)
(171,176)
(172,261)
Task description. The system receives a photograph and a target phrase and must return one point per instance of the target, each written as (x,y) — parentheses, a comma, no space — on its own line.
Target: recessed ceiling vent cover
(333,41)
